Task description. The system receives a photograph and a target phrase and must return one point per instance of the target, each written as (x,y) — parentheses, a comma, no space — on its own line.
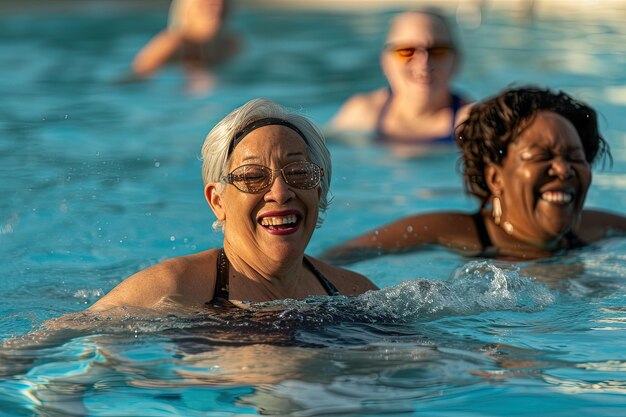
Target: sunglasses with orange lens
(405,53)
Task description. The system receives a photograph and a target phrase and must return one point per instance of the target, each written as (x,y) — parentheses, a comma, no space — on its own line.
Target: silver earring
(496,210)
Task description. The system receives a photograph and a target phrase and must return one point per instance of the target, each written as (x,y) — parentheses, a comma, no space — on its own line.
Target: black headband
(260,123)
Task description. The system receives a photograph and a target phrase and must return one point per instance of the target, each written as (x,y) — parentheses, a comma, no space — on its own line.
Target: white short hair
(215,157)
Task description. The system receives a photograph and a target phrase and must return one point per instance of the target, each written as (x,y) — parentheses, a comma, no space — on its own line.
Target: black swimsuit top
(486,246)
(456,102)
(490,251)
(221,292)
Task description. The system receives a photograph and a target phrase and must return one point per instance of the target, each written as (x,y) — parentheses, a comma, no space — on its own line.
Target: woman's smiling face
(279,221)
(543,180)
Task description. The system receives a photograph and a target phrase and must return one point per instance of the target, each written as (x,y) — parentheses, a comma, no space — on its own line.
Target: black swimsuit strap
(455,105)
(221,291)
(483,234)
(380,136)
(456,102)
(328,286)
(488,250)
(573,241)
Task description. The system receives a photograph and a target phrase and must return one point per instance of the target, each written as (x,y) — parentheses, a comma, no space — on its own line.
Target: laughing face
(543,181)
(419,56)
(276,222)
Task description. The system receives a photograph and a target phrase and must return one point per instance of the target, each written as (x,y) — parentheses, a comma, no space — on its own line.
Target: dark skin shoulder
(596,225)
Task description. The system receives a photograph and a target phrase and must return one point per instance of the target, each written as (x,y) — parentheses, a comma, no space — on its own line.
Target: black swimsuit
(490,251)
(487,249)
(221,292)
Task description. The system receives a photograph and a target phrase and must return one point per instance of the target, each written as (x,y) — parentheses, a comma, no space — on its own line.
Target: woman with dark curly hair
(527,155)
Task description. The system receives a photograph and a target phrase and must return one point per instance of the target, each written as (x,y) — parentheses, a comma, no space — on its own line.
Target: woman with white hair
(266,173)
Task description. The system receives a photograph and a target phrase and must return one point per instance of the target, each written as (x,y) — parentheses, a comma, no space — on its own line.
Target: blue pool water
(100,178)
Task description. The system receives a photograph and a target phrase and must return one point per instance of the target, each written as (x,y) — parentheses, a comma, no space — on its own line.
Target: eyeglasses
(405,53)
(254,178)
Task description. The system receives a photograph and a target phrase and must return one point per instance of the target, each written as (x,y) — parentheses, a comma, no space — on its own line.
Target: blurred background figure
(195,36)
(419,60)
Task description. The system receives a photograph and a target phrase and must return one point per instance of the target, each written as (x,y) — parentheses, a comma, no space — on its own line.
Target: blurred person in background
(419,60)
(195,36)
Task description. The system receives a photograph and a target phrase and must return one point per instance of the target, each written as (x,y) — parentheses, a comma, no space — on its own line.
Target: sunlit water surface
(100,178)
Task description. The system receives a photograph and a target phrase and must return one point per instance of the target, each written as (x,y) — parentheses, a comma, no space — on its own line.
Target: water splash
(476,287)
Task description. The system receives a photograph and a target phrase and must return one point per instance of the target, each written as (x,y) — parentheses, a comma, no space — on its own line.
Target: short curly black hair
(494,123)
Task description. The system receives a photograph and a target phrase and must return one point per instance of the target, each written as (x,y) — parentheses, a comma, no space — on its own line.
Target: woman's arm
(453,230)
(156,52)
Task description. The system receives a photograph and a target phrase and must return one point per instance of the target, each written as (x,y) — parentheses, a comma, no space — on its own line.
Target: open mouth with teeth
(284,224)
(557,197)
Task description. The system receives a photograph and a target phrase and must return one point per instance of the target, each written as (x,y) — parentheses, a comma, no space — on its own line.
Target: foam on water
(476,287)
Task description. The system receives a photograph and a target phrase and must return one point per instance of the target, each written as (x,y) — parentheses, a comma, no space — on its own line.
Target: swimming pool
(101,178)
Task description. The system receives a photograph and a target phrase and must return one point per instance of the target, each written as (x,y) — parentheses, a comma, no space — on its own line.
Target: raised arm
(191,21)
(156,52)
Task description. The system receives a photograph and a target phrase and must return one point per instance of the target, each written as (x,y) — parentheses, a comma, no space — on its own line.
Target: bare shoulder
(598,224)
(360,112)
(186,280)
(462,114)
(347,282)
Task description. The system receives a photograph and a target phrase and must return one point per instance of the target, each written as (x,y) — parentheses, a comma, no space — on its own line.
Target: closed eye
(577,155)
(536,156)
